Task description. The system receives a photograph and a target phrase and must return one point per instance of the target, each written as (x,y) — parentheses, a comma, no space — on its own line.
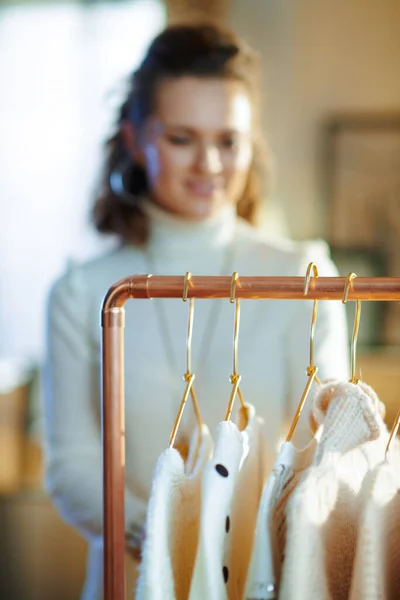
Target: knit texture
(211,571)
(172,525)
(324,511)
(247,494)
(263,574)
(376,574)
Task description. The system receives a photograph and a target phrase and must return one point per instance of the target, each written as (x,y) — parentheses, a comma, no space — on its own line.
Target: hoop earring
(116,182)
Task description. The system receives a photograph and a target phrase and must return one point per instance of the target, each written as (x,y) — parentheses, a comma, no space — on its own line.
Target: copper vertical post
(113,437)
(114,453)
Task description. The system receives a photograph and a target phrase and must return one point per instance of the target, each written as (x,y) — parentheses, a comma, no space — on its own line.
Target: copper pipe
(113,453)
(143,286)
(283,288)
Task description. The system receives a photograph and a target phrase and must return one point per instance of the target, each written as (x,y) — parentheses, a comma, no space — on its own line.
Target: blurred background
(331,114)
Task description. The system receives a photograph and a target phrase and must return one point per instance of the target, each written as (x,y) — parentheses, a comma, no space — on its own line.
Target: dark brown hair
(203,50)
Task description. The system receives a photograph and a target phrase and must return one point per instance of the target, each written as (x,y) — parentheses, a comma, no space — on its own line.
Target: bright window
(63,69)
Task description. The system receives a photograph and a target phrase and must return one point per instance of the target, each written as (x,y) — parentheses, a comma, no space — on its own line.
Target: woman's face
(197,147)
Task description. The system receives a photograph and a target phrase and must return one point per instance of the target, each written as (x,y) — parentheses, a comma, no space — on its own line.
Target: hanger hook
(233,299)
(311,369)
(234,279)
(311,267)
(356,326)
(189,376)
(392,436)
(235,377)
(186,283)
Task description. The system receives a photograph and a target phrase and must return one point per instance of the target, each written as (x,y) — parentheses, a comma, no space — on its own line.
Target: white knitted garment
(261,583)
(322,399)
(172,523)
(247,493)
(323,512)
(211,571)
(376,574)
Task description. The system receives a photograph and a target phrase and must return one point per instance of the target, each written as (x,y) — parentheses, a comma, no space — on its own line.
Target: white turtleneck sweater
(273,354)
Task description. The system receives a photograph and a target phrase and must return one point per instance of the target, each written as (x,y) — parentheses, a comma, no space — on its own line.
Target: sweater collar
(175,236)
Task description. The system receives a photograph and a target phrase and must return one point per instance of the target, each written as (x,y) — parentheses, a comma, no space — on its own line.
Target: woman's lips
(202,189)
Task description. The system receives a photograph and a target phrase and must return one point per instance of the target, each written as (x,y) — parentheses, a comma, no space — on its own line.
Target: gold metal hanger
(392,436)
(235,378)
(311,369)
(353,355)
(188,376)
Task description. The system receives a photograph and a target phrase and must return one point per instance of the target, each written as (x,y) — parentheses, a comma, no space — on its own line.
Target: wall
(41,557)
(319,57)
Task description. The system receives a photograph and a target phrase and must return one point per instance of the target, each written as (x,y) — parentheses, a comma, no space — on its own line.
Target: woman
(181,191)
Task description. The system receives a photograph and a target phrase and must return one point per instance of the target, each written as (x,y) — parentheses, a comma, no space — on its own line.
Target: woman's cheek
(177,157)
(244,158)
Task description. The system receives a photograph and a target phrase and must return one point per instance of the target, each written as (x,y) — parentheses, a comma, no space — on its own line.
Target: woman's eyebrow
(180,126)
(193,130)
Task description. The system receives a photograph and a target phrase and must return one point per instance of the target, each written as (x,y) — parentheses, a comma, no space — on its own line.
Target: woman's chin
(204,208)
(194,208)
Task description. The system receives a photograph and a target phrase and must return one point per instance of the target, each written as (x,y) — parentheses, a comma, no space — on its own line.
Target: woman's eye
(227,142)
(179,140)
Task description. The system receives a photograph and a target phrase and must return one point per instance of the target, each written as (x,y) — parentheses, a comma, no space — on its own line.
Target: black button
(227,524)
(223,471)
(225,573)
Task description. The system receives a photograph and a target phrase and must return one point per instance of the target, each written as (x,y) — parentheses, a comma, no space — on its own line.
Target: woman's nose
(209,159)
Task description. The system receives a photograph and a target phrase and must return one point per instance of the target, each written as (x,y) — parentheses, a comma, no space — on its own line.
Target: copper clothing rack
(113,422)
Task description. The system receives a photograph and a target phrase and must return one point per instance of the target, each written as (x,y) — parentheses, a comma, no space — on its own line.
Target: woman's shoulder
(87,279)
(282,256)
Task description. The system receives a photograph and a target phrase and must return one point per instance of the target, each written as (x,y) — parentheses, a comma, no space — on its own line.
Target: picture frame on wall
(362,190)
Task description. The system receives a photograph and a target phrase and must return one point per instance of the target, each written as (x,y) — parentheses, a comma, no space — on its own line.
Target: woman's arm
(73,455)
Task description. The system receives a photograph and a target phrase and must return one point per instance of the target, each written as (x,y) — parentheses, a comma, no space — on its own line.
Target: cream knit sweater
(376,573)
(264,570)
(211,571)
(247,494)
(232,486)
(324,511)
(172,523)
